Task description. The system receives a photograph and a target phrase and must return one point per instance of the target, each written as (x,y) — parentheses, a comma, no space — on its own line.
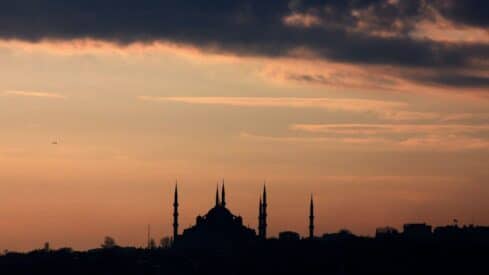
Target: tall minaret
(223,195)
(264,213)
(260,219)
(217,195)
(175,214)
(311,219)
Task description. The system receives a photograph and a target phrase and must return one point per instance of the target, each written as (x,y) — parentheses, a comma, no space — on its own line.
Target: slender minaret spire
(217,195)
(264,212)
(311,219)
(260,219)
(175,214)
(223,195)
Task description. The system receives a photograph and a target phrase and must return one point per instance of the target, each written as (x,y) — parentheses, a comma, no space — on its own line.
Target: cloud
(442,143)
(377,32)
(401,115)
(86,46)
(435,137)
(440,29)
(465,116)
(428,142)
(468,12)
(378,129)
(301,20)
(331,74)
(332,104)
(33,94)
(334,142)
(385,110)
(456,80)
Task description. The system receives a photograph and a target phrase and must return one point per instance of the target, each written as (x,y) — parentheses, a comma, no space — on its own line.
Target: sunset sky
(379,108)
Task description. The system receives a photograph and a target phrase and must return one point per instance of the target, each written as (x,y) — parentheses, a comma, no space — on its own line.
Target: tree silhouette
(109,242)
(165,242)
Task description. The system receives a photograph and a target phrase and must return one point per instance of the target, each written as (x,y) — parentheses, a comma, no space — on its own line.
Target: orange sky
(373,147)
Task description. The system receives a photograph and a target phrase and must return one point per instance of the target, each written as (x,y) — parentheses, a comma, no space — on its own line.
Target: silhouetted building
(386,233)
(464,233)
(288,236)
(417,231)
(343,234)
(219,228)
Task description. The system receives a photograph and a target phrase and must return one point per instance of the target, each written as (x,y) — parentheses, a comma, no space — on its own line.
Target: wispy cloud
(446,143)
(440,29)
(436,143)
(291,102)
(301,20)
(378,129)
(316,139)
(333,104)
(437,137)
(33,94)
(392,137)
(385,110)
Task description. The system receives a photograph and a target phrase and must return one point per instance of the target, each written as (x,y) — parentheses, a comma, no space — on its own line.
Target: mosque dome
(219,213)
(219,228)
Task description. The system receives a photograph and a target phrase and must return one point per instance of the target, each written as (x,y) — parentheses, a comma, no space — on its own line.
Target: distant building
(448,232)
(289,236)
(386,232)
(417,231)
(343,234)
(462,233)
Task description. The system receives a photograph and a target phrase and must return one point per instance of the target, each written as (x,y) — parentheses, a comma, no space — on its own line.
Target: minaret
(264,213)
(311,219)
(260,219)
(217,194)
(223,195)
(175,214)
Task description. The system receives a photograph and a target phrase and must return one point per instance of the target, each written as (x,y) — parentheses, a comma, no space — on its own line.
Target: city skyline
(379,108)
(165,227)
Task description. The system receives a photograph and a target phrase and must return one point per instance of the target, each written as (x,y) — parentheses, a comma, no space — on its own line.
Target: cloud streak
(436,137)
(33,94)
(388,110)
(385,110)
(334,104)
(435,143)
(377,129)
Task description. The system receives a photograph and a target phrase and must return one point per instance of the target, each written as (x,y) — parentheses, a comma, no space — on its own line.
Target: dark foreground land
(345,256)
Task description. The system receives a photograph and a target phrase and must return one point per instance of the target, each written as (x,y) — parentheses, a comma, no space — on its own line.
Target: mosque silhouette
(220,228)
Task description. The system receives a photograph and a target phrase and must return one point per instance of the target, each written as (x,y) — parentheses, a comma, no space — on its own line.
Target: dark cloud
(469,12)
(456,80)
(313,78)
(347,31)
(341,79)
